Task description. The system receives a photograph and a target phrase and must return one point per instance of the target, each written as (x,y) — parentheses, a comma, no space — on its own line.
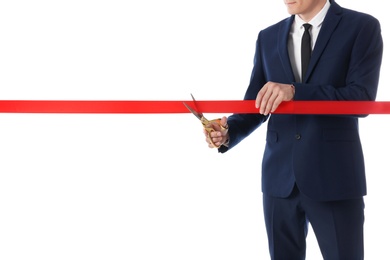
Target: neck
(312,10)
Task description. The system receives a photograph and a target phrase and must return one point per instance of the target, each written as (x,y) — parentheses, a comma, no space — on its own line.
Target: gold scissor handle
(209,129)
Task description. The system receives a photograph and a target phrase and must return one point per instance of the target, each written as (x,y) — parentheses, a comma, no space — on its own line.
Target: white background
(131,186)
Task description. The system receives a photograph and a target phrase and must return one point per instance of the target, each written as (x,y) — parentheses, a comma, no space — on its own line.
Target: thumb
(224,121)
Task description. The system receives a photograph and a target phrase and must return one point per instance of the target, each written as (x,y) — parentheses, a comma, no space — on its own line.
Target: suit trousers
(338,226)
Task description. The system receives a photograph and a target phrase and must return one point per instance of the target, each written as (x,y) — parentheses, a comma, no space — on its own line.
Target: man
(313,166)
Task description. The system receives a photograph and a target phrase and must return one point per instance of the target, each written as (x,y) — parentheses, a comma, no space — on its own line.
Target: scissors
(205,122)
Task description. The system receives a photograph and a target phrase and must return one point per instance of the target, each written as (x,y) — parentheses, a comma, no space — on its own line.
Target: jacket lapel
(331,20)
(282,43)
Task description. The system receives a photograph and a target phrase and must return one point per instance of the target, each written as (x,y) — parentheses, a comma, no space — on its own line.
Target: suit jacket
(322,154)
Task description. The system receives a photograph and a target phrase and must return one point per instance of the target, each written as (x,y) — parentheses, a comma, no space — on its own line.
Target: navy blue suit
(321,155)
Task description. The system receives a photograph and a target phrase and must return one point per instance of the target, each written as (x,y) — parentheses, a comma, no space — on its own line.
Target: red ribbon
(176,106)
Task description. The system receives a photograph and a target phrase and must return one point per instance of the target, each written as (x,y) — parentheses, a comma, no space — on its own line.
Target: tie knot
(307,26)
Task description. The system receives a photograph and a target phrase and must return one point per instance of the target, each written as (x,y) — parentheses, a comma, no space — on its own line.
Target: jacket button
(297,136)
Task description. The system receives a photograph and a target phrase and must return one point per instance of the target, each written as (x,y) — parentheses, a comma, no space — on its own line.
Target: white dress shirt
(294,41)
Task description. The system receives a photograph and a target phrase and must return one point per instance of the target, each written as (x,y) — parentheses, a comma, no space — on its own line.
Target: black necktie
(305,49)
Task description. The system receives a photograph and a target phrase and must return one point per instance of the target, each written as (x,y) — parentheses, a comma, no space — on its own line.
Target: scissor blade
(199,116)
(199,113)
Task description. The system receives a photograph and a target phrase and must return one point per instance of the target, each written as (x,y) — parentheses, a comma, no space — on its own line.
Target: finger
(214,142)
(260,96)
(265,93)
(213,139)
(270,104)
(276,103)
(265,102)
(224,122)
